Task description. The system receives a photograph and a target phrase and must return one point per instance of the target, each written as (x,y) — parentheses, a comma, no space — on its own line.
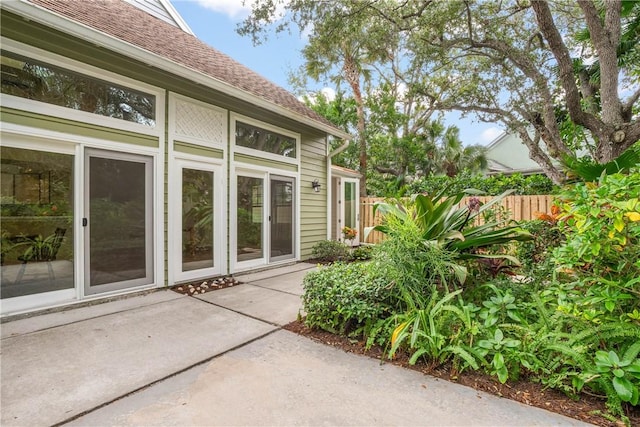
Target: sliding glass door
(118,221)
(255,243)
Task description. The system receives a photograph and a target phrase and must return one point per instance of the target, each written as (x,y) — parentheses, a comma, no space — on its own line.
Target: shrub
(536,253)
(492,185)
(345,298)
(413,267)
(602,227)
(362,253)
(331,251)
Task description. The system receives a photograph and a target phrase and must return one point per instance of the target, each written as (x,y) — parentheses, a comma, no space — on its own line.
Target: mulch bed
(587,409)
(204,286)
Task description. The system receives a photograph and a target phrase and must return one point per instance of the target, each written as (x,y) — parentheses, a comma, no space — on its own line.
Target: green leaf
(610,305)
(624,388)
(618,223)
(618,373)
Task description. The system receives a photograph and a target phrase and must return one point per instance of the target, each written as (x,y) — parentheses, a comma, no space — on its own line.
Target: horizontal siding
(313,212)
(198,150)
(244,158)
(56,124)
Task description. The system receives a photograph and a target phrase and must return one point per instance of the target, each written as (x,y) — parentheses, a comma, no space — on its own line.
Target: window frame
(46,109)
(258,153)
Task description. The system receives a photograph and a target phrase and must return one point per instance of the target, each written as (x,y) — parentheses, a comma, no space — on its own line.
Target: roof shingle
(130,24)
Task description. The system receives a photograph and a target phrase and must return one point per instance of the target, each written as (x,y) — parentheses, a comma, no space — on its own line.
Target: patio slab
(290,283)
(75,314)
(273,272)
(285,379)
(275,307)
(56,373)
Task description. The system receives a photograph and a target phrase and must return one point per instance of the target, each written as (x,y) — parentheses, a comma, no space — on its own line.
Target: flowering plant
(349,233)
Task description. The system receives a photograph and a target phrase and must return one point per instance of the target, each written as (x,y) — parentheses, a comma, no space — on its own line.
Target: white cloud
(232,8)
(238,9)
(489,134)
(328,93)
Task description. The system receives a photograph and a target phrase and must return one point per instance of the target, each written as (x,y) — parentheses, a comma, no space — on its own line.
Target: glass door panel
(36,222)
(282,216)
(197,219)
(351,209)
(119,217)
(250,218)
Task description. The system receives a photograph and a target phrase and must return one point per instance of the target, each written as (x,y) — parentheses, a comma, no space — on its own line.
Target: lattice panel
(195,121)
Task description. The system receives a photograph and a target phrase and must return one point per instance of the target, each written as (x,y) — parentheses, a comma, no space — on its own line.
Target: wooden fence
(516,207)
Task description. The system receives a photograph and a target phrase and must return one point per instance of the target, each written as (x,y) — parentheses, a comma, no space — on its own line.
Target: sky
(215,23)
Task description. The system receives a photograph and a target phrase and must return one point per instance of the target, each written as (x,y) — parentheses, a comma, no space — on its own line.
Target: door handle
(84,222)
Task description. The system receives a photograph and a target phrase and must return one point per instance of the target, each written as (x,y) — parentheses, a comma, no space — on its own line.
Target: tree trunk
(353,78)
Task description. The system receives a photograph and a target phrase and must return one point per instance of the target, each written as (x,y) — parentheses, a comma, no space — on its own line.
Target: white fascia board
(46,17)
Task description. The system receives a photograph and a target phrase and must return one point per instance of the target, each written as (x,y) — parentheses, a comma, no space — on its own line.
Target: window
(197,219)
(250,217)
(265,140)
(36,222)
(27,78)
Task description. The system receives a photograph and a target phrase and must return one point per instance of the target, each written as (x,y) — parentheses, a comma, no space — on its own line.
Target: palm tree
(454,157)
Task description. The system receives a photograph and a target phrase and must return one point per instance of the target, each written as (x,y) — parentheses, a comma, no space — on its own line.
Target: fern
(576,356)
(468,354)
(632,351)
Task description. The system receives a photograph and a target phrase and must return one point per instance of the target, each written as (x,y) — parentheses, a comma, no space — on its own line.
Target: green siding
(313,212)
(25,118)
(198,150)
(244,158)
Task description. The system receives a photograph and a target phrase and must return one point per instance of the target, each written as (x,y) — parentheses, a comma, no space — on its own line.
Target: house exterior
(507,155)
(134,157)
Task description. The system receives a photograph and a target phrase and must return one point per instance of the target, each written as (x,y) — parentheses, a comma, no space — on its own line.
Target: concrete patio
(219,359)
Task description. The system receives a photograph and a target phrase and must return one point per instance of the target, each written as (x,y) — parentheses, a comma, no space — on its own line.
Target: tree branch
(565,65)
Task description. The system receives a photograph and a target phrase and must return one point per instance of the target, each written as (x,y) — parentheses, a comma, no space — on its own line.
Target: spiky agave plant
(446,224)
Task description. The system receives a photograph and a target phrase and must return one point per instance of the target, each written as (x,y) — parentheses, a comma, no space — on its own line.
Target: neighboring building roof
(344,172)
(122,21)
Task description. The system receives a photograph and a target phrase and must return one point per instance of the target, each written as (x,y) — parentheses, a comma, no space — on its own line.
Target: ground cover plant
(569,320)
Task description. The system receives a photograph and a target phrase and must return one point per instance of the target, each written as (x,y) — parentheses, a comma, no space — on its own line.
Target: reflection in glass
(249,218)
(281,218)
(117,220)
(350,205)
(265,140)
(197,219)
(31,79)
(36,202)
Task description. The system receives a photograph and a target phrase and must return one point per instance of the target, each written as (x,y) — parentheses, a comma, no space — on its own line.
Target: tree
(454,157)
(508,61)
(341,111)
(348,45)
(503,60)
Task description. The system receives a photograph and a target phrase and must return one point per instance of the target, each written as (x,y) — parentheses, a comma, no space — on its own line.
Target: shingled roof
(125,22)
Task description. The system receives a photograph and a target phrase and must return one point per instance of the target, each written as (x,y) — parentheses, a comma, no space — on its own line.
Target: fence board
(518,208)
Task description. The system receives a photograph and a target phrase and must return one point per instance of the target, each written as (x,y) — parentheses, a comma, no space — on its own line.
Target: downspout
(330,182)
